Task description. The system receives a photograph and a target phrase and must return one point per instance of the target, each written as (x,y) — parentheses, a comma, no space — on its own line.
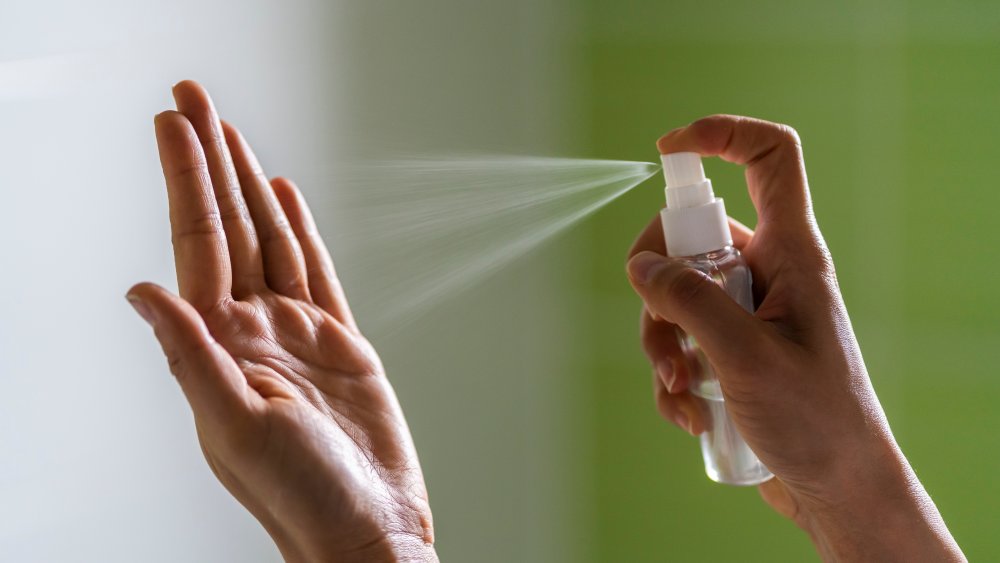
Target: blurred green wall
(896,104)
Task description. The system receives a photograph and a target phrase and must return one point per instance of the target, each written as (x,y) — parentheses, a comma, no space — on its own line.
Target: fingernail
(645,266)
(661,143)
(665,369)
(672,379)
(653,315)
(140,307)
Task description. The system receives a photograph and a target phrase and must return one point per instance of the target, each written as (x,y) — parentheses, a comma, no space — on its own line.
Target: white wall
(98,458)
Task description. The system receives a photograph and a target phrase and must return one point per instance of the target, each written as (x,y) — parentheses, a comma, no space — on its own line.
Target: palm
(294,413)
(327,412)
(312,369)
(288,348)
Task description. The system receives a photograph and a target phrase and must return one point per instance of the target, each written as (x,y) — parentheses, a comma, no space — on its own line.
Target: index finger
(772,153)
(200,253)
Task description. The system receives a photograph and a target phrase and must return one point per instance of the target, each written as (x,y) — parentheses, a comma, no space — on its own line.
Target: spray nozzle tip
(682,169)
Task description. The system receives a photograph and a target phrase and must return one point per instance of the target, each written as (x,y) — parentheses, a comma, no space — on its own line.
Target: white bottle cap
(694,221)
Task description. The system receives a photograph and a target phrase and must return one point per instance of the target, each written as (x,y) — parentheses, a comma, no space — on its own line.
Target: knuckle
(175,363)
(204,224)
(196,170)
(787,135)
(279,230)
(233,209)
(252,174)
(321,271)
(186,357)
(215,143)
(257,174)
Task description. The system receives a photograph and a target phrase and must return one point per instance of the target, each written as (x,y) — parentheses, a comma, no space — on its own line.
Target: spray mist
(696,230)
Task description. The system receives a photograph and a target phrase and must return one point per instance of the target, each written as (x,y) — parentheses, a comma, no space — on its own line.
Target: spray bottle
(696,230)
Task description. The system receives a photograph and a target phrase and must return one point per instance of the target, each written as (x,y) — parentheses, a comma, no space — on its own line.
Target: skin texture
(294,412)
(792,374)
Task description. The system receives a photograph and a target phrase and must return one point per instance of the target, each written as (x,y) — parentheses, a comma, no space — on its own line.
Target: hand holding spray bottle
(696,230)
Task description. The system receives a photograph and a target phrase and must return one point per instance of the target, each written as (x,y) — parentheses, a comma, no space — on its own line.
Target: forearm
(885,515)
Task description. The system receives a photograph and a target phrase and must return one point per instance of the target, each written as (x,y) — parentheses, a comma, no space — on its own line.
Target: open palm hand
(293,410)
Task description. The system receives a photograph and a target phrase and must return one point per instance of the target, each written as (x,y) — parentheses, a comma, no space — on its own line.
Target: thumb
(209,377)
(727,333)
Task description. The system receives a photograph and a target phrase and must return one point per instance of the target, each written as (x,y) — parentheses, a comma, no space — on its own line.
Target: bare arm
(792,374)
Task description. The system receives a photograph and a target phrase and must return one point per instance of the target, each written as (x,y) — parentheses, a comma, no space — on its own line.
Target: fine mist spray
(696,230)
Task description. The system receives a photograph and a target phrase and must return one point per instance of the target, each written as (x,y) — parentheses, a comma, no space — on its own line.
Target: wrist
(411,548)
(877,510)
(396,536)
(403,548)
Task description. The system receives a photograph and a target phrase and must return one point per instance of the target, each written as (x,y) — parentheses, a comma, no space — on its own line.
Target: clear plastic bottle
(696,230)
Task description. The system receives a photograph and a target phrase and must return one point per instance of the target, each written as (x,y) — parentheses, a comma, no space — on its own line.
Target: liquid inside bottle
(728,458)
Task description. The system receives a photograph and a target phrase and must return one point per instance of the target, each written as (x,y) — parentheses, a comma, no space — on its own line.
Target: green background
(896,104)
(528,396)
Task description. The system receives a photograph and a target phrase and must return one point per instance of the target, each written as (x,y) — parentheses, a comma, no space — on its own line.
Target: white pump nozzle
(682,169)
(694,221)
(687,185)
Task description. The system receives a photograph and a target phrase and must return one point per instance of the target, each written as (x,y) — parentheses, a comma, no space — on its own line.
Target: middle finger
(244,249)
